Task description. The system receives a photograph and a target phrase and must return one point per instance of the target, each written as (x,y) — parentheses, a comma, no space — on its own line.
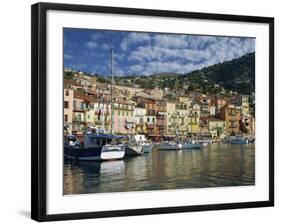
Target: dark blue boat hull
(85,154)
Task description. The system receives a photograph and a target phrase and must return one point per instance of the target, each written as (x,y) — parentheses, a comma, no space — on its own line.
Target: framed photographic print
(138,111)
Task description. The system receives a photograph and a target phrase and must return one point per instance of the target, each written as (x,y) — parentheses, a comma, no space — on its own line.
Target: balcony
(151,113)
(150,126)
(233,126)
(79,109)
(161,123)
(102,123)
(78,120)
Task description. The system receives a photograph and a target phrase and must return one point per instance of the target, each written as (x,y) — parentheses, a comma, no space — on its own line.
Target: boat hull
(133,150)
(84,154)
(192,146)
(168,147)
(147,148)
(112,155)
(238,142)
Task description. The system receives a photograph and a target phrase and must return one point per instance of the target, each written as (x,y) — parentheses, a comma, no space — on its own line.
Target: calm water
(216,166)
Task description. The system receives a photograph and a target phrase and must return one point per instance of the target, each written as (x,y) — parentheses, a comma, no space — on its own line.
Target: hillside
(237,75)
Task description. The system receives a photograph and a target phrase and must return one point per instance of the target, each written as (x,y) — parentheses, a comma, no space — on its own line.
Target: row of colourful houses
(151,113)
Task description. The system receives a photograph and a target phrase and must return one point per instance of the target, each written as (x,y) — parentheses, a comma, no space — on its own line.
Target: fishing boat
(146,145)
(168,146)
(93,145)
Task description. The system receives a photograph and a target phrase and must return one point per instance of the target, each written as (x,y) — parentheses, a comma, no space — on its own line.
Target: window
(148,120)
(65,118)
(127,113)
(67,92)
(66,104)
(78,117)
(74,104)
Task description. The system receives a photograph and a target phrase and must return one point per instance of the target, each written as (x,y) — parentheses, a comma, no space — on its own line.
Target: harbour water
(218,165)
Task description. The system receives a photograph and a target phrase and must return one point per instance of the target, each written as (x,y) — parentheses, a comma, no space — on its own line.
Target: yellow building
(177,118)
(68,110)
(182,119)
(193,119)
(171,117)
(217,128)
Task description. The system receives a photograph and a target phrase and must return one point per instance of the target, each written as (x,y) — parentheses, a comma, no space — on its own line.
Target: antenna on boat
(111,92)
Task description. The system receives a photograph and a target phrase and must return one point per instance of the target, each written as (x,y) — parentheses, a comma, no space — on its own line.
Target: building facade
(232,117)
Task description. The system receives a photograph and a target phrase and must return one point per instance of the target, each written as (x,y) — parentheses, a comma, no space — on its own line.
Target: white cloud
(91,45)
(132,38)
(170,41)
(179,53)
(95,36)
(67,56)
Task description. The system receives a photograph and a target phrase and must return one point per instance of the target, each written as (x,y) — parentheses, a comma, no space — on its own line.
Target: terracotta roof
(82,96)
(71,82)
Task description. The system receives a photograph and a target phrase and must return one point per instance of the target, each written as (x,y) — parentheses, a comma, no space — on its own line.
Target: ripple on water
(217,166)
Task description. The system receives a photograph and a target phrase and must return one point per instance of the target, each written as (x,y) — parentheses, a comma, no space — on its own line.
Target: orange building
(150,106)
(232,117)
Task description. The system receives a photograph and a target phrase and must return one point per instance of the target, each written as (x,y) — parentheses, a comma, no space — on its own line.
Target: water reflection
(219,165)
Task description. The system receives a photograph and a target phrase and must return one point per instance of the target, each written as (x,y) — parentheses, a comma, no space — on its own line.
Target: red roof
(71,82)
(82,96)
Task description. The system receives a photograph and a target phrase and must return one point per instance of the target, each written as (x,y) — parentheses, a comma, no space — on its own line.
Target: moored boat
(132,147)
(146,145)
(112,152)
(168,146)
(237,140)
(192,145)
(92,147)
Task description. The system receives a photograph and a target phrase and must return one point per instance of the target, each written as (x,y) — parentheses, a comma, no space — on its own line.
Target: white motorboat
(146,145)
(112,152)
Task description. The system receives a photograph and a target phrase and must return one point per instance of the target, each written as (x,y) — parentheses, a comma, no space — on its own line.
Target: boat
(168,146)
(237,140)
(132,147)
(191,144)
(146,145)
(93,147)
(204,142)
(111,152)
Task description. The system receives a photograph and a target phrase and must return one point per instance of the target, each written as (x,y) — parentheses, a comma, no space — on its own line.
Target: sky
(142,53)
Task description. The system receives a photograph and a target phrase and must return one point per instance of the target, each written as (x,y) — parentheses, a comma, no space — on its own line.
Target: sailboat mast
(111,93)
(176,109)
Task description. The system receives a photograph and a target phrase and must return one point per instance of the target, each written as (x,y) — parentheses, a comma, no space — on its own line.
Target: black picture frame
(39,108)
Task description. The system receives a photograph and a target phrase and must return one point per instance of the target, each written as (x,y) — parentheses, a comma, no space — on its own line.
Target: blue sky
(147,53)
